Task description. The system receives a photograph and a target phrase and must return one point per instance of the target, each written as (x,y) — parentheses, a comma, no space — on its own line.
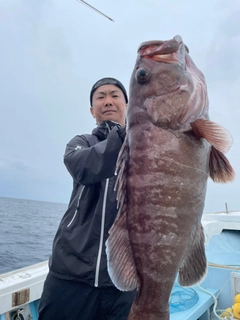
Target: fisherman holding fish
(78,286)
(170,150)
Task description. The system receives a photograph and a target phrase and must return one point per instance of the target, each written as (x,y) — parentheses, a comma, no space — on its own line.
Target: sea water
(27,229)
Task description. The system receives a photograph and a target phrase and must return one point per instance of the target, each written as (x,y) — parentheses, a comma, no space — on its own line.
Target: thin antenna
(91,7)
(226,206)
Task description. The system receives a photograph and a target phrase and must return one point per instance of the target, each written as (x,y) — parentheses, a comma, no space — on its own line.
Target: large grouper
(170,150)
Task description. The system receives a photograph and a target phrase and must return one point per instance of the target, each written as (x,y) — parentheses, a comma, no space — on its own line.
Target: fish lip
(150,43)
(158,47)
(162,51)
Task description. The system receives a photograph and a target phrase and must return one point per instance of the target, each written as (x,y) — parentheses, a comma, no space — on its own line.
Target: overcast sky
(52,51)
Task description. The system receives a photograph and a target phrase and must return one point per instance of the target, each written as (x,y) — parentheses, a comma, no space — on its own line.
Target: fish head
(166,86)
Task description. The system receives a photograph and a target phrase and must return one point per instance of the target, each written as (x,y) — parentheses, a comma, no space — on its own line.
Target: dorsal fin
(121,265)
(120,260)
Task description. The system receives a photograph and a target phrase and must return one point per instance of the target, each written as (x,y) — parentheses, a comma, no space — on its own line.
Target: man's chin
(113,119)
(110,118)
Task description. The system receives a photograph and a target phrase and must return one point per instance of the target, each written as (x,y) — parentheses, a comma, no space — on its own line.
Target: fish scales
(165,163)
(159,235)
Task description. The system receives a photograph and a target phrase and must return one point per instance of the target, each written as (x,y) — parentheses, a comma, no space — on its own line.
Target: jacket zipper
(101,234)
(75,213)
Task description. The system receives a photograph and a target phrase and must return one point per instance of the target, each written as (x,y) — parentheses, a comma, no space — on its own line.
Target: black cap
(104,81)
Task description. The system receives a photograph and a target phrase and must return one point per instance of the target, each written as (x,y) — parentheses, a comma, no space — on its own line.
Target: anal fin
(194,264)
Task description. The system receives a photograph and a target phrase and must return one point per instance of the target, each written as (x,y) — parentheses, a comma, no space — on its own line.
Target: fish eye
(142,75)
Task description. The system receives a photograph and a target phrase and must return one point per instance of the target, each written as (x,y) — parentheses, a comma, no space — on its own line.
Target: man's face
(108,103)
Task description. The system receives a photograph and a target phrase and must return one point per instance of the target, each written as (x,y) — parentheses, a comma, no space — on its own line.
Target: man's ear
(92,112)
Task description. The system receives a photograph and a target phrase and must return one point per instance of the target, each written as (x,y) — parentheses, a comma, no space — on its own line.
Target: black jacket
(79,245)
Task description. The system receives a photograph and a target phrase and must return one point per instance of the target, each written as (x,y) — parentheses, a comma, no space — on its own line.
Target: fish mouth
(163,51)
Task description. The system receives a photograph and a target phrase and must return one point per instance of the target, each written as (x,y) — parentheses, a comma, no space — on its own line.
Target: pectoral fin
(220,169)
(194,264)
(215,134)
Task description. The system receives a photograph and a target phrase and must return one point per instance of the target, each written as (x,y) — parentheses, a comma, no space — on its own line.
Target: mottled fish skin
(164,167)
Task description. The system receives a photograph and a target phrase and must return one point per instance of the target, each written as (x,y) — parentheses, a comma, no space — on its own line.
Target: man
(78,286)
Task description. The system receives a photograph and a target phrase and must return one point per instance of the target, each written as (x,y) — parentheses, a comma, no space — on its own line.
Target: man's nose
(108,101)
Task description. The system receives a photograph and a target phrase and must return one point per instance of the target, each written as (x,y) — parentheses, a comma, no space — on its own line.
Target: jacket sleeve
(89,165)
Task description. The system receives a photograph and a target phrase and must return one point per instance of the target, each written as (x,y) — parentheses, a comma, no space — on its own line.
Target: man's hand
(111,124)
(122,132)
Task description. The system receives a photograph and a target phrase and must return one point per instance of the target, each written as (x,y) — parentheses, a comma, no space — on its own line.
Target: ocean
(27,229)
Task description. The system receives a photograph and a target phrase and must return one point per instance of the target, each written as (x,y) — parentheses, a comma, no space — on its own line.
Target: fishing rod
(91,7)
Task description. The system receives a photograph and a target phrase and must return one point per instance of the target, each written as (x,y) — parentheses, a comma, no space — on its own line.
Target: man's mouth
(109,111)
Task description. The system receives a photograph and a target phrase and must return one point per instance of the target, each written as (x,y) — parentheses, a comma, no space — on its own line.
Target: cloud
(224,51)
(52,53)
(20,180)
